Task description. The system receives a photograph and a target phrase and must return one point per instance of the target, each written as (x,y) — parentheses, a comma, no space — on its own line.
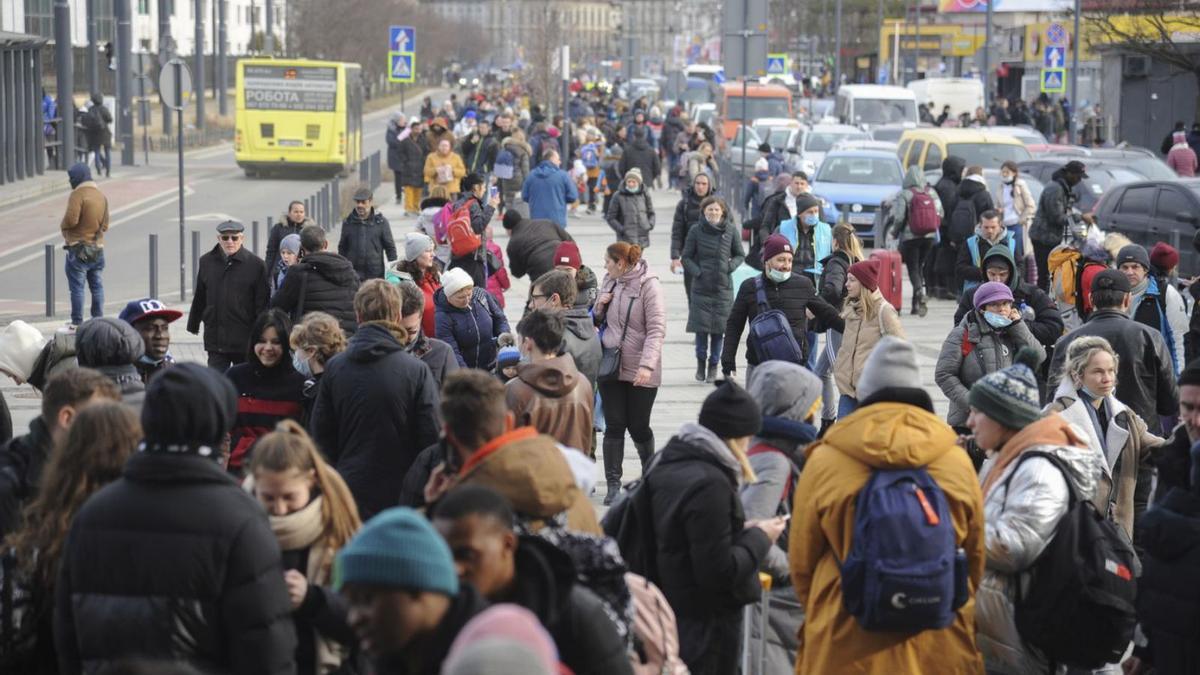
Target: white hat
(455,280)
(20,346)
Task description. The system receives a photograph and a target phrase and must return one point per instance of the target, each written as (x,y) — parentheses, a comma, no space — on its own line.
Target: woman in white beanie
(418,266)
(468,319)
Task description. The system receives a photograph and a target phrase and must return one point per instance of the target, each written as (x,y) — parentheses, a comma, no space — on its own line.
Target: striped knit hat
(1010,395)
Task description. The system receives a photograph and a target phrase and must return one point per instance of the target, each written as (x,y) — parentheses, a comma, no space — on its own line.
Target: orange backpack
(461,236)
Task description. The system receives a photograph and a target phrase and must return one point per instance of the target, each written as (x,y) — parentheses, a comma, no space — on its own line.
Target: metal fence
(22,153)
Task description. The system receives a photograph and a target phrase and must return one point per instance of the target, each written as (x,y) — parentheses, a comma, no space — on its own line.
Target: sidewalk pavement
(680,396)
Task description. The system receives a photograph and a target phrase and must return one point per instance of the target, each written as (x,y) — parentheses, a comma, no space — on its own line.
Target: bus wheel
(251,173)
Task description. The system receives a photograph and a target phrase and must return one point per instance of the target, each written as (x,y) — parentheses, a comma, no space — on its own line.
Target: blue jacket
(548,190)
(471,332)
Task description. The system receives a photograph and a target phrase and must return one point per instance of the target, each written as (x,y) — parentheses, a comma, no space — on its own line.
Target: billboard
(1042,6)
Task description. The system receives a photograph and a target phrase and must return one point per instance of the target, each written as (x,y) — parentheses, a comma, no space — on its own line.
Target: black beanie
(731,412)
(188,406)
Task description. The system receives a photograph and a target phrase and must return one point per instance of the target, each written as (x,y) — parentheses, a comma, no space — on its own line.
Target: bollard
(50,280)
(154,265)
(254,237)
(325,216)
(195,258)
(376,171)
(337,204)
(307,206)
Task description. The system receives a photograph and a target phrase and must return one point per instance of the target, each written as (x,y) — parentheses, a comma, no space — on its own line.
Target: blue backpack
(771,337)
(504,166)
(905,571)
(589,156)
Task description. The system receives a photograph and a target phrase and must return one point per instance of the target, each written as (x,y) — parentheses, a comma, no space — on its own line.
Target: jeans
(591,192)
(77,272)
(846,405)
(811,336)
(103,161)
(824,370)
(627,407)
(713,353)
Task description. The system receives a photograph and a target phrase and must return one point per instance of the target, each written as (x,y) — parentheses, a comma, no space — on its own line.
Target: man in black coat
(174,560)
(1053,216)
(477,523)
(945,256)
(366,237)
(1145,373)
(23,457)
(319,282)
(377,406)
(412,151)
(231,291)
(292,222)
(639,155)
(1037,308)
(479,149)
(531,244)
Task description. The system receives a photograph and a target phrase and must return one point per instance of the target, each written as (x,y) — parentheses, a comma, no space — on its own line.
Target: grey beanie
(784,389)
(291,244)
(1135,254)
(892,363)
(416,243)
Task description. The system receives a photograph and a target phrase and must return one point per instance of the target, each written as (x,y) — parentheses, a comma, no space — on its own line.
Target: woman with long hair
(268,386)
(313,515)
(868,318)
(89,456)
(846,250)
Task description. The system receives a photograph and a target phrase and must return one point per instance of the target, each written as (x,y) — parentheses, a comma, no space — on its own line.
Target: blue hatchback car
(858,182)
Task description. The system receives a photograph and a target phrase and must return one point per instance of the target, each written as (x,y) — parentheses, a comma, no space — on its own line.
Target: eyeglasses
(230,237)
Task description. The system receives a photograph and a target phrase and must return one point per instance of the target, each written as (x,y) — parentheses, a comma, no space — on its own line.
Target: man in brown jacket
(549,393)
(83,227)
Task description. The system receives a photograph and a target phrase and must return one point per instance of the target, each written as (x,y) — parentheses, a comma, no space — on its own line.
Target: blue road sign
(402,39)
(1056,34)
(776,64)
(1055,57)
(400,67)
(1054,80)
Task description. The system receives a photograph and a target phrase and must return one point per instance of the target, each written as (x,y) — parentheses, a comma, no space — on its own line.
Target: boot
(614,454)
(645,451)
(712,373)
(922,308)
(700,372)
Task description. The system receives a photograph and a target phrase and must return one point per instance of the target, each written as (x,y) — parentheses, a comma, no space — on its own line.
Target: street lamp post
(1075,40)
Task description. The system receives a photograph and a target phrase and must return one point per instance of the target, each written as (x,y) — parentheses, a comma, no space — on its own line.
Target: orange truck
(761,100)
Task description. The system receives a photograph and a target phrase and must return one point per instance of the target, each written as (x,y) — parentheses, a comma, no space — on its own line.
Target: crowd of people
(380,472)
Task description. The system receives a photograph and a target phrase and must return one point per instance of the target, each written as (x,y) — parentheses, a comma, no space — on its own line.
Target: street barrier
(195,257)
(254,236)
(154,265)
(50,280)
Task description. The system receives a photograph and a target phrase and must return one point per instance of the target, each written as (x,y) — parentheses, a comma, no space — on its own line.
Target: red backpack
(923,217)
(460,235)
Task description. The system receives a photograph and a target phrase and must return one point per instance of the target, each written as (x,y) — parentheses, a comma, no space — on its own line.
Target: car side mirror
(1186,217)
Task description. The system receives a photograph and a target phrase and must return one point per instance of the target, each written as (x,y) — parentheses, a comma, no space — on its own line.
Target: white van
(962,94)
(872,105)
(712,72)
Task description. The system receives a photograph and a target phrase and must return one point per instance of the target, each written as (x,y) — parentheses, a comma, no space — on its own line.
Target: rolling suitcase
(891,276)
(754,659)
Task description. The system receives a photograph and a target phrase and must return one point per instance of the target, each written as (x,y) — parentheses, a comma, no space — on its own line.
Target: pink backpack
(656,638)
(922,213)
(441,224)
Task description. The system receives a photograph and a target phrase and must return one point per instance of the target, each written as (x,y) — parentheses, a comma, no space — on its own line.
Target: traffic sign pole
(1074,78)
(179,148)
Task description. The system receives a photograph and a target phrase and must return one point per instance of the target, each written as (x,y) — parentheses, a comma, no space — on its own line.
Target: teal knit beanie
(397,548)
(1010,395)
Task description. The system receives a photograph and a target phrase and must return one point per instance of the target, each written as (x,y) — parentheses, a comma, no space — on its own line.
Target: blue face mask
(778,276)
(301,365)
(997,321)
(811,219)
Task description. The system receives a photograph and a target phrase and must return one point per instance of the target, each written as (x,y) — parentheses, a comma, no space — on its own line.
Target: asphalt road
(143,200)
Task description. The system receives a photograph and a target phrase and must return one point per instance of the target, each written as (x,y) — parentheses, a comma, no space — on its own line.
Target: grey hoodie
(898,219)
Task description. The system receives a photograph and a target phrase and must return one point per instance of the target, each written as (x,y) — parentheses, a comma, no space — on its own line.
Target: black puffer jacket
(545,584)
(774,211)
(710,255)
(412,161)
(1046,324)
(1168,598)
(320,282)
(21,463)
(947,187)
(973,200)
(376,409)
(834,269)
(230,294)
(687,214)
(792,297)
(639,155)
(365,242)
(111,346)
(173,560)
(531,246)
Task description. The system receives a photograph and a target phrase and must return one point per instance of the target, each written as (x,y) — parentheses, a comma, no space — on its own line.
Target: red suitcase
(891,276)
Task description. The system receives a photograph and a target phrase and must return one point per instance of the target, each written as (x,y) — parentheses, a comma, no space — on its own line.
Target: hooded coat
(968,267)
(111,346)
(280,230)
(947,187)
(471,332)
(883,435)
(86,217)
(366,242)
(707,561)
(1037,309)
(914,178)
(1022,512)
(553,397)
(631,215)
(986,350)
(687,215)
(582,343)
(548,190)
(376,409)
(973,200)
(1168,596)
(521,153)
(230,293)
(320,282)
(639,294)
(711,254)
(859,337)
(531,246)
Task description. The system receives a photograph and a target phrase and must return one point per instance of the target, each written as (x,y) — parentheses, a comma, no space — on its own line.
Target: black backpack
(1079,606)
(630,523)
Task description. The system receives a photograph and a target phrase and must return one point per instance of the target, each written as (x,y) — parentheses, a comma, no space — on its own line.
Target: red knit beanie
(1164,257)
(867,273)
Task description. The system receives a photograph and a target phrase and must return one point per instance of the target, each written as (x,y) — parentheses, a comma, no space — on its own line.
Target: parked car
(1103,175)
(858,182)
(890,132)
(1152,211)
(744,139)
(1057,149)
(808,145)
(1136,159)
(1027,135)
(927,147)
(856,144)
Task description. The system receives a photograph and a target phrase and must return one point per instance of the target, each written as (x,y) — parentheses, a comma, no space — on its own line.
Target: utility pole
(164,53)
(222,71)
(837,46)
(269,33)
(1075,40)
(121,11)
(987,56)
(199,58)
(917,51)
(93,46)
(65,76)
(879,64)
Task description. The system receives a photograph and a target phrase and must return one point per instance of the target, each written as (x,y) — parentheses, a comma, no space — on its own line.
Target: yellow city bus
(297,113)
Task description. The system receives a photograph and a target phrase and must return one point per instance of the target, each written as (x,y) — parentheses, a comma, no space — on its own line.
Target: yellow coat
(458,170)
(880,435)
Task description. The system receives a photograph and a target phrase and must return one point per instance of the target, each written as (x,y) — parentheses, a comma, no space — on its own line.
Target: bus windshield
(884,111)
(757,108)
(290,88)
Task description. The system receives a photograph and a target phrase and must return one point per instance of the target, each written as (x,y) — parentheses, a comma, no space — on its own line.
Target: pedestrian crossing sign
(401,67)
(776,64)
(1054,80)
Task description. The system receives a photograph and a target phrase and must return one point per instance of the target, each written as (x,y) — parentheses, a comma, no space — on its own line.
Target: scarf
(1137,294)
(1050,430)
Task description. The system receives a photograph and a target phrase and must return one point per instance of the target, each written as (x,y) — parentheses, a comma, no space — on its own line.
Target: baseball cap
(147,308)
(1111,280)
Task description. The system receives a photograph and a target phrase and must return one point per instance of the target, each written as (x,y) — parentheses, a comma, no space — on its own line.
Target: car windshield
(890,134)
(757,108)
(1150,167)
(860,170)
(884,111)
(988,154)
(777,137)
(1101,179)
(822,141)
